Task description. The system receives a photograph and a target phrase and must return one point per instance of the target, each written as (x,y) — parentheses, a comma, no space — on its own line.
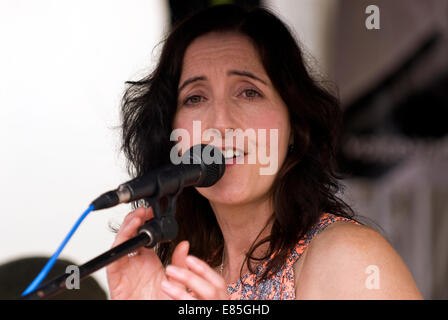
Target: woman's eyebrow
(229,73)
(190,80)
(245,74)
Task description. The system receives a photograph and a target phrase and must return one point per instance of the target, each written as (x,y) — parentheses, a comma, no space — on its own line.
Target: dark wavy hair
(307,183)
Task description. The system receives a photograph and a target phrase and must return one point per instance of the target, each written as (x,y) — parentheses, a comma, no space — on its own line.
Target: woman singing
(283,235)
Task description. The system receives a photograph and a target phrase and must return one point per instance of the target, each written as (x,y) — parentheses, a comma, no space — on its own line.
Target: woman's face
(224,86)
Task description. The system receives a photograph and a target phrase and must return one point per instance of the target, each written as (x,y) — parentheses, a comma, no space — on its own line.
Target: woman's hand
(135,276)
(140,276)
(202,281)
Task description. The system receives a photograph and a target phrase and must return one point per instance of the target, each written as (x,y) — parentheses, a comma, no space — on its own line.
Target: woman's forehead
(228,50)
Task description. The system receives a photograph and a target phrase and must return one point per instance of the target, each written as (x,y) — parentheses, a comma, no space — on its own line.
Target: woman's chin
(230,195)
(235,187)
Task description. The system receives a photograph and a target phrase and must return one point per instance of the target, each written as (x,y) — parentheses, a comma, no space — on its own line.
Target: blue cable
(46,269)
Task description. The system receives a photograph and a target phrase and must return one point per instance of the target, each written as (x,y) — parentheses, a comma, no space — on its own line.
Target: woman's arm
(348,261)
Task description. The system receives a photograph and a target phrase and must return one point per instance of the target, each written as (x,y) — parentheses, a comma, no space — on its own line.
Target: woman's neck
(241,226)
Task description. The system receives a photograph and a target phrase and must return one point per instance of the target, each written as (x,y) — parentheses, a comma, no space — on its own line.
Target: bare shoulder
(349,261)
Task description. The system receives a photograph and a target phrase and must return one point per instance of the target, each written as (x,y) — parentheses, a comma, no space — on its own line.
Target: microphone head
(211,161)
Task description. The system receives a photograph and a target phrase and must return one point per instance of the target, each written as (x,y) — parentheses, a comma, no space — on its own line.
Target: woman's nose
(221,117)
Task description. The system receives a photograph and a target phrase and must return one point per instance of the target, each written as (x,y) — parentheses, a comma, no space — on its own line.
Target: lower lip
(233,161)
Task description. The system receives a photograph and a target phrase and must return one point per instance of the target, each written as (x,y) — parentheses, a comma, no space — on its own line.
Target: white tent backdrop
(63,67)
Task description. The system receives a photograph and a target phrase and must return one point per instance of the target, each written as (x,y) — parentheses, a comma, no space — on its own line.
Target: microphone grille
(212,164)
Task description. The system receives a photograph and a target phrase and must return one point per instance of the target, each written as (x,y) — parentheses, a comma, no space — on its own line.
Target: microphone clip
(163,226)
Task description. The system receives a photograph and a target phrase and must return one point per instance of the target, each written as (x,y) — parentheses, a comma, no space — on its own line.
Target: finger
(128,229)
(202,269)
(178,259)
(125,233)
(180,254)
(174,292)
(131,223)
(148,214)
(201,287)
(141,212)
(126,222)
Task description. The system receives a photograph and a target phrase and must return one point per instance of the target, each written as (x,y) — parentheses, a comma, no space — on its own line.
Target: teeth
(230,153)
(238,153)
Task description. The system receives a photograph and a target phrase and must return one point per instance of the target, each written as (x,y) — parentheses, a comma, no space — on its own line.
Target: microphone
(196,169)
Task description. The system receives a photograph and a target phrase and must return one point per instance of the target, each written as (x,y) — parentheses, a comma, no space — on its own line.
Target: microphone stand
(59,284)
(163,227)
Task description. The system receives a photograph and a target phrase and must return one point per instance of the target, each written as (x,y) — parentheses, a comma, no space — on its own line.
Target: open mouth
(232,155)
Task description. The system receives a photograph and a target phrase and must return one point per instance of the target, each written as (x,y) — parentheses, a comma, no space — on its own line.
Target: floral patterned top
(279,286)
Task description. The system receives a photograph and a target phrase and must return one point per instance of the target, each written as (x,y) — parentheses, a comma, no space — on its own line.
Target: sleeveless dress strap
(279,286)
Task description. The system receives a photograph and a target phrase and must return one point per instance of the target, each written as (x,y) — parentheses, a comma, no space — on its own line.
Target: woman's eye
(251,93)
(193,100)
